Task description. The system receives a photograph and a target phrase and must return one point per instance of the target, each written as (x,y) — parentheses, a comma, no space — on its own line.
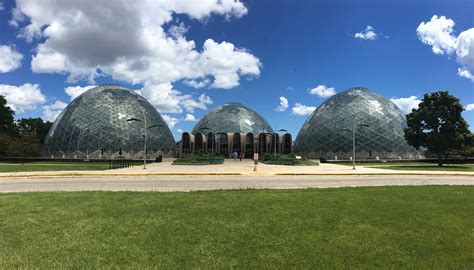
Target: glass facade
(328,131)
(95,125)
(232,117)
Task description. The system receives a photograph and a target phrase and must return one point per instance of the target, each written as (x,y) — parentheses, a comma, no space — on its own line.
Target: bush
(200,159)
(284,159)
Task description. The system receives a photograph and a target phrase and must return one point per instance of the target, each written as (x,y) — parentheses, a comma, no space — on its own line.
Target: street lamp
(353,141)
(144,134)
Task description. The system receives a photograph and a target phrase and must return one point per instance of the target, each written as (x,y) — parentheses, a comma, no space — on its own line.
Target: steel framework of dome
(327,134)
(232,117)
(234,127)
(95,125)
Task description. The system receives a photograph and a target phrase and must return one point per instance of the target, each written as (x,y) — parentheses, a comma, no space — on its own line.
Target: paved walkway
(230,167)
(191,183)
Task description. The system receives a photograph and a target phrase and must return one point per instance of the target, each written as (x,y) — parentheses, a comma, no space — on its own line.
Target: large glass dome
(95,125)
(232,117)
(325,133)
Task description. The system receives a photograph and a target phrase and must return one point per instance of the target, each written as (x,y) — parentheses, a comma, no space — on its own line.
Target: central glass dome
(328,131)
(232,117)
(95,125)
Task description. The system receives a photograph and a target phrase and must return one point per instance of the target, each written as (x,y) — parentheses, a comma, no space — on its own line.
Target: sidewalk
(230,168)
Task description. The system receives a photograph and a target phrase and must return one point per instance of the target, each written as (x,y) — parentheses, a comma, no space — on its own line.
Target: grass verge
(52,166)
(418,166)
(382,227)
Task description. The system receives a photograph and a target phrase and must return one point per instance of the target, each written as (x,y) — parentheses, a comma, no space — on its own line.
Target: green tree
(34,127)
(7,121)
(437,124)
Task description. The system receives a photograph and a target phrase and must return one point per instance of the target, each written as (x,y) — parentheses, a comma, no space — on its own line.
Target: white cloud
(180,130)
(167,99)
(22,98)
(367,34)
(300,109)
(197,83)
(406,104)
(470,107)
(465,73)
(323,91)
(51,111)
(438,33)
(189,117)
(1,6)
(75,91)
(85,40)
(171,121)
(10,59)
(283,105)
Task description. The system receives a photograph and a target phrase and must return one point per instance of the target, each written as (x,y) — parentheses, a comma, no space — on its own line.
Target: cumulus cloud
(470,107)
(171,121)
(367,34)
(51,111)
(283,105)
(465,73)
(85,40)
(180,130)
(406,104)
(323,91)
(300,109)
(167,99)
(438,33)
(75,91)
(189,118)
(10,59)
(22,98)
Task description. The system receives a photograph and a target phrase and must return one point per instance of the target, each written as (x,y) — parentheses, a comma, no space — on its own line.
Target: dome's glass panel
(325,132)
(95,124)
(232,118)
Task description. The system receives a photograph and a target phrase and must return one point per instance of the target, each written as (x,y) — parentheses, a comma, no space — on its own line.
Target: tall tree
(7,122)
(34,127)
(437,124)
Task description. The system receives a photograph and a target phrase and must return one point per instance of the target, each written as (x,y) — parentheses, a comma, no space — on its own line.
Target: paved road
(190,183)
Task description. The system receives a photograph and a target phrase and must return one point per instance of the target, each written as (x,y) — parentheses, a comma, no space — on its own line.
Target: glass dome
(232,117)
(328,131)
(95,125)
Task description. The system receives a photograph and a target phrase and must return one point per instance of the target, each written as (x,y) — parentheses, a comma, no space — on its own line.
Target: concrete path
(191,183)
(230,167)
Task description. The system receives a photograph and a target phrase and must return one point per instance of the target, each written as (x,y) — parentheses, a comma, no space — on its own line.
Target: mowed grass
(52,166)
(419,166)
(428,227)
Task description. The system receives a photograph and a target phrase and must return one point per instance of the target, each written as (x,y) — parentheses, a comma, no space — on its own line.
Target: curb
(112,175)
(253,174)
(375,174)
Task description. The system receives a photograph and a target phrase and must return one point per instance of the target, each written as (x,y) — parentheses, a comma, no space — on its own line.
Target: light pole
(353,141)
(145,127)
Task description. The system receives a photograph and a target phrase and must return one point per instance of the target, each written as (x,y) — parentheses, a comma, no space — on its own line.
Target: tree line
(23,137)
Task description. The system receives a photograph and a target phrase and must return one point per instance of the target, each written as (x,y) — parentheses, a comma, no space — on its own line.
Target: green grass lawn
(423,166)
(52,166)
(425,227)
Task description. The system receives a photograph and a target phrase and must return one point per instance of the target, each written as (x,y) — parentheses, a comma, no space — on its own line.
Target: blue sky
(259,51)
